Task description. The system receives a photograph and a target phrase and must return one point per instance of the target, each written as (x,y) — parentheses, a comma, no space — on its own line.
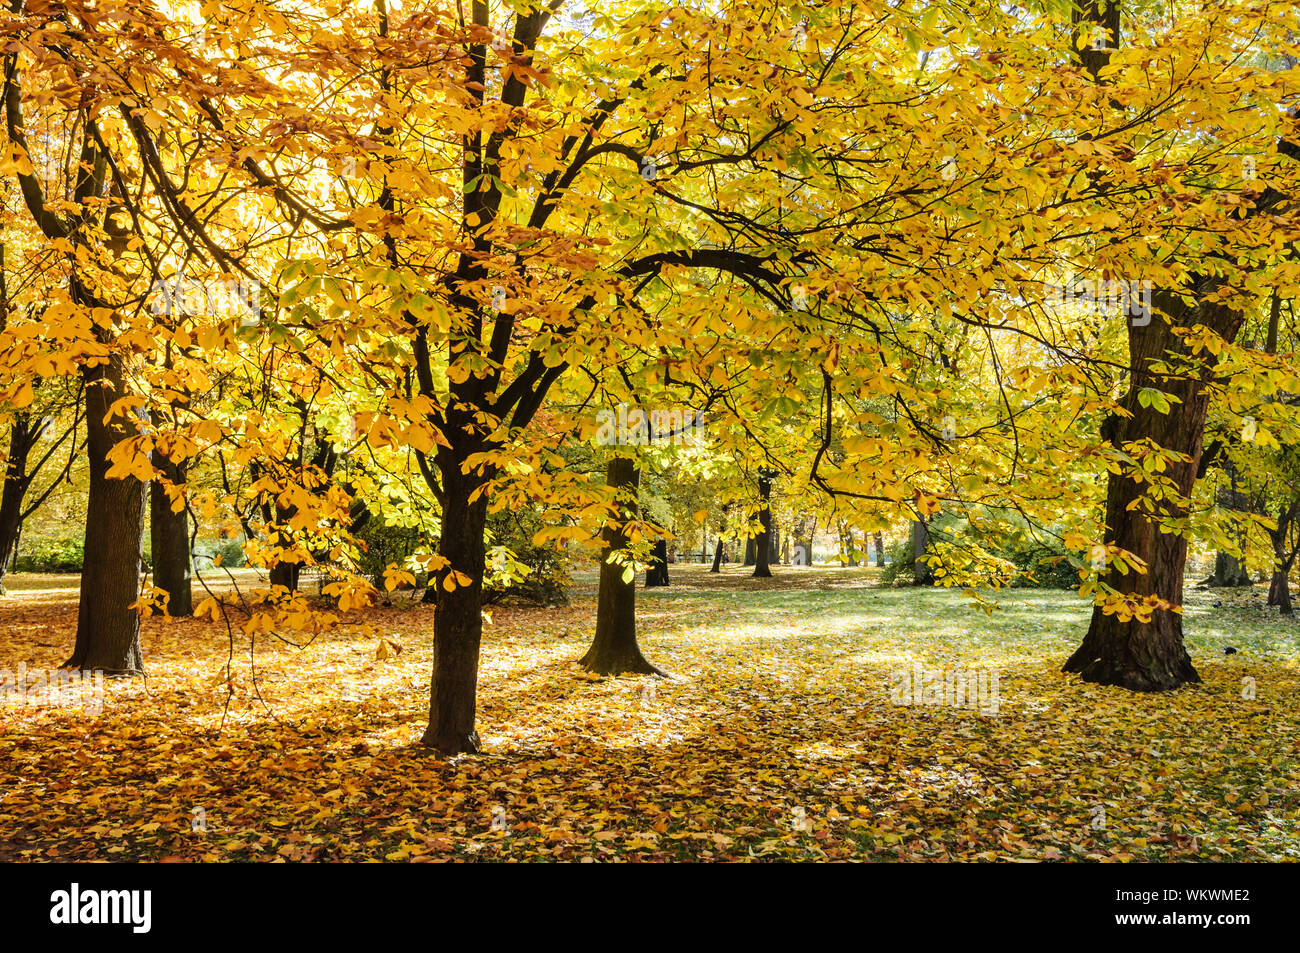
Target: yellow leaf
(24,395)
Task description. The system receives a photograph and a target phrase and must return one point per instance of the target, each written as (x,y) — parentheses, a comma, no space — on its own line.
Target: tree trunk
(1279,592)
(1275,583)
(922,574)
(1149,656)
(1279,589)
(286,574)
(16,482)
(1142,656)
(718,551)
(750,552)
(169,538)
(1284,597)
(717,556)
(614,650)
(763,543)
(458,619)
(880,550)
(108,630)
(1228,571)
(430,597)
(656,573)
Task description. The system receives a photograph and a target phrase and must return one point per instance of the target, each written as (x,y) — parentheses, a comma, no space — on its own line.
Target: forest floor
(780,735)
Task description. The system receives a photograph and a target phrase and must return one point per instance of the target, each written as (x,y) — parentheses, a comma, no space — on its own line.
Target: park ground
(778,736)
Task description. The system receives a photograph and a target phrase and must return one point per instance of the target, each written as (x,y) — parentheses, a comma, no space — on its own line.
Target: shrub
(59,554)
(231,552)
(899,569)
(207,553)
(384,545)
(1038,563)
(547,579)
(1047,561)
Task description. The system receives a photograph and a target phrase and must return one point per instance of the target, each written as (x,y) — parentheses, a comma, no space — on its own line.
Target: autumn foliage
(356,289)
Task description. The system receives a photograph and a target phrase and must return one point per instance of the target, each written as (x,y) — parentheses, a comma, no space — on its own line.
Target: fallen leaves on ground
(775,739)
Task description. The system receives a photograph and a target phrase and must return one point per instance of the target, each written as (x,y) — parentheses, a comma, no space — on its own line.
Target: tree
(1229,570)
(656,573)
(1286,546)
(28,425)
(763,542)
(614,649)
(485,220)
(1142,648)
(719,545)
(169,536)
(922,573)
(27,429)
(107,627)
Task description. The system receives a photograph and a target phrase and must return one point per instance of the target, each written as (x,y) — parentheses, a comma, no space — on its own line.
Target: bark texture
(22,437)
(169,538)
(108,630)
(763,542)
(656,573)
(614,650)
(717,557)
(1228,572)
(1136,654)
(922,574)
(1285,549)
(458,619)
(1228,569)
